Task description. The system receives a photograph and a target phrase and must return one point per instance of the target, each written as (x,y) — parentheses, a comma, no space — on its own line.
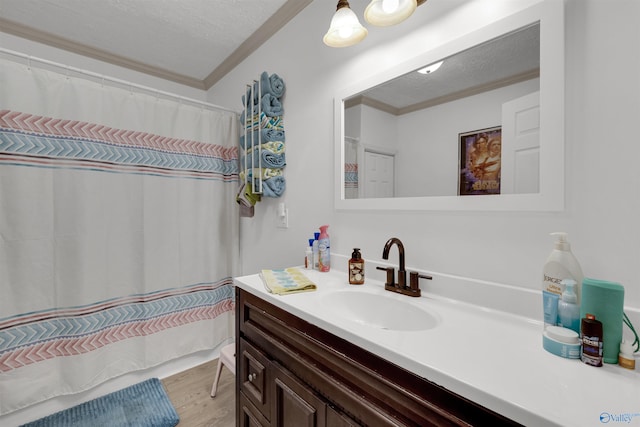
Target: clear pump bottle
(568,309)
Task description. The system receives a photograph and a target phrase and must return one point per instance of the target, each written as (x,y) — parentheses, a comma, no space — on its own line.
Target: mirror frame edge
(550,14)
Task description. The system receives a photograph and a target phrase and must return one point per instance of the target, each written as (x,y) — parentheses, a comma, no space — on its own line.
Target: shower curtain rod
(120,82)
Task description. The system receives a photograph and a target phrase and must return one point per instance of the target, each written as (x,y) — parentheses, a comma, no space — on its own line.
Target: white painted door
(520,170)
(378,175)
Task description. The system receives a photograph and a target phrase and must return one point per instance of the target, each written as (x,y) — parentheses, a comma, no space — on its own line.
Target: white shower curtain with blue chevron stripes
(118,231)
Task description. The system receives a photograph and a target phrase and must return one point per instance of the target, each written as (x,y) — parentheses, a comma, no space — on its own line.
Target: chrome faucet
(401,287)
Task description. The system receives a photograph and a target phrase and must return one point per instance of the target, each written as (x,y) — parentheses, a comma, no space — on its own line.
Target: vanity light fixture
(430,68)
(345,29)
(383,13)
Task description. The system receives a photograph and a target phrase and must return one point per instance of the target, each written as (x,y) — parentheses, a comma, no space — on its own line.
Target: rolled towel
(264,173)
(269,84)
(272,84)
(273,187)
(269,159)
(273,122)
(276,147)
(263,122)
(271,106)
(266,135)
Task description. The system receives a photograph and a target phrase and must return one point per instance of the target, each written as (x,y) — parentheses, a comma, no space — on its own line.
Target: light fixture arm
(343,3)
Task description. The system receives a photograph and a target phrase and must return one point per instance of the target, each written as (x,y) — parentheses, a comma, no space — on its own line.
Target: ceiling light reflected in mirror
(430,68)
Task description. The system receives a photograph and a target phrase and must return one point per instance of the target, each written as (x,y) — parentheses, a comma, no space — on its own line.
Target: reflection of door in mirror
(370,152)
(521,145)
(378,174)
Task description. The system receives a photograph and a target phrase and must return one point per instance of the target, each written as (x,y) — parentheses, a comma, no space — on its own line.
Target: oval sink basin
(379,311)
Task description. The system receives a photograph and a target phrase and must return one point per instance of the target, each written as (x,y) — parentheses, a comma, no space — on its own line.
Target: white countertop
(493,358)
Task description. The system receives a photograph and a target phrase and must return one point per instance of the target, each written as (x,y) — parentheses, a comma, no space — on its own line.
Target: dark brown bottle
(356,268)
(591,337)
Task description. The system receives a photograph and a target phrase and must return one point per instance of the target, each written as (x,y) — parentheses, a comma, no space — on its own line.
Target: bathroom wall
(602,109)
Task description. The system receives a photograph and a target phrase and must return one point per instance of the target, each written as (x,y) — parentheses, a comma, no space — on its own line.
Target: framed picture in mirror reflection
(480,153)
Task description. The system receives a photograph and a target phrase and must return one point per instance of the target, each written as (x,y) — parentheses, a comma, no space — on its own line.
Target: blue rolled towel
(272,84)
(269,84)
(266,135)
(269,159)
(271,105)
(273,187)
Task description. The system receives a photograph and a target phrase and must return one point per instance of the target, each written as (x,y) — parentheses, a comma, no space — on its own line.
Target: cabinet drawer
(254,375)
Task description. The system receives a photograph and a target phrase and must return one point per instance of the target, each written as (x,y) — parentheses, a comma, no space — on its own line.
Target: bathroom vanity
(291,370)
(307,360)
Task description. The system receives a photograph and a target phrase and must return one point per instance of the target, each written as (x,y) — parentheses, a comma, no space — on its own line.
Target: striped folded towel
(287,281)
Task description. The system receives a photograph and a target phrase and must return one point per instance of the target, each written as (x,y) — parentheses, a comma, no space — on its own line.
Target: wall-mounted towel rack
(262,148)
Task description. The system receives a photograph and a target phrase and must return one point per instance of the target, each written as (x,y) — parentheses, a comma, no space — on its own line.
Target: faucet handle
(390,275)
(414,277)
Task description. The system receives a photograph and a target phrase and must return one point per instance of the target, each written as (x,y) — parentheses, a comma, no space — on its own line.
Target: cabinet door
(249,415)
(294,404)
(254,376)
(338,419)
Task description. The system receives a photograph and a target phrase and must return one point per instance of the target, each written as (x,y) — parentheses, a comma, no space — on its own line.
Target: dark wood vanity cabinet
(291,373)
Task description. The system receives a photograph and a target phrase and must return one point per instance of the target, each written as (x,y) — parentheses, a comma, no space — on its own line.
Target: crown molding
(279,19)
(286,12)
(398,111)
(38,36)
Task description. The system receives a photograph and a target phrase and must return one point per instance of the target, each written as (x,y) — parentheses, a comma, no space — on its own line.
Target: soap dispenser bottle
(568,309)
(356,268)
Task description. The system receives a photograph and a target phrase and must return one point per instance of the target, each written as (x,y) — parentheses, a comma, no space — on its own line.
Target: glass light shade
(345,29)
(383,13)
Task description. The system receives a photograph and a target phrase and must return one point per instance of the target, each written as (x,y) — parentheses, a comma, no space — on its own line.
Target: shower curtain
(118,231)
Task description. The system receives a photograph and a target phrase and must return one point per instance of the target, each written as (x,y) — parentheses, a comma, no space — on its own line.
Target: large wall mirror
(476,124)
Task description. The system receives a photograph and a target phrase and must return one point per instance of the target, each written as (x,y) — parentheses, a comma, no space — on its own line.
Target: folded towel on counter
(286,281)
(266,135)
(272,84)
(264,173)
(273,187)
(271,106)
(264,159)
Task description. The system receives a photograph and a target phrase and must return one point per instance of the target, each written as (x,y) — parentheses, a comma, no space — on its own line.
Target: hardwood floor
(190,390)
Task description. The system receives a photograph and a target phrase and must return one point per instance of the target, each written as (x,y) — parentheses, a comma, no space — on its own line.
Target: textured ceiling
(183,40)
(506,60)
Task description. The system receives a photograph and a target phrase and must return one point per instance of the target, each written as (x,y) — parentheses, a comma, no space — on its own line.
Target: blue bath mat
(145,404)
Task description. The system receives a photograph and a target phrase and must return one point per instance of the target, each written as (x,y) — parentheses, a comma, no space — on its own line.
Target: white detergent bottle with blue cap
(560,265)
